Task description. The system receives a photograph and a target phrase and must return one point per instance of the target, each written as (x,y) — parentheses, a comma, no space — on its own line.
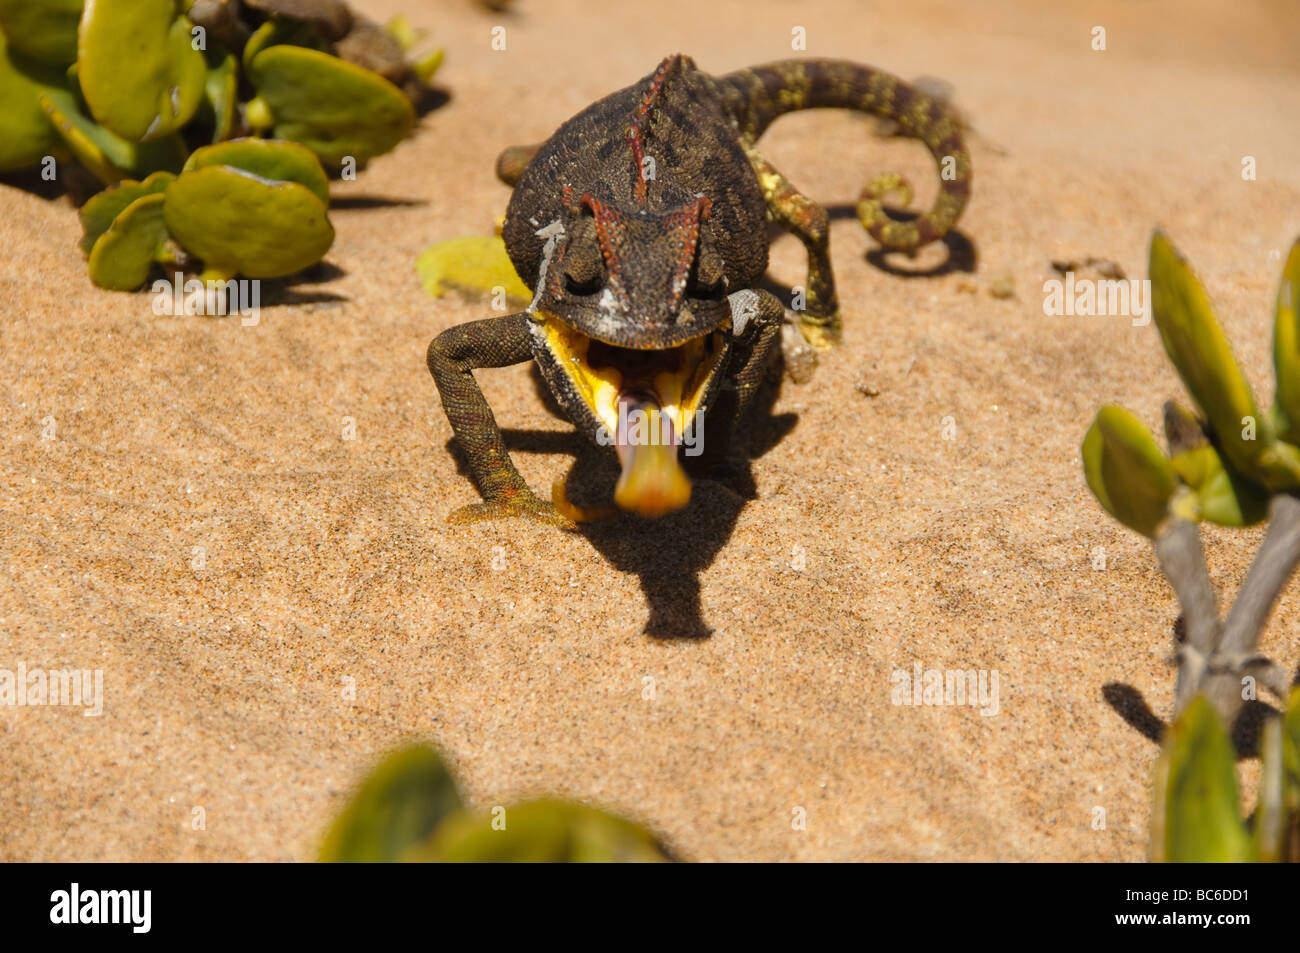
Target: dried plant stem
(1215,657)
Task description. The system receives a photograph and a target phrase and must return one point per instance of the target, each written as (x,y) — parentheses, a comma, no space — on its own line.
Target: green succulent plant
(1196,817)
(248,206)
(1230,466)
(409,809)
(1236,457)
(129,89)
(1227,464)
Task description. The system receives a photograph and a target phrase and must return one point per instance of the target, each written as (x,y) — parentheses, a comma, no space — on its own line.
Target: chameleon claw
(575,512)
(524,506)
(822,333)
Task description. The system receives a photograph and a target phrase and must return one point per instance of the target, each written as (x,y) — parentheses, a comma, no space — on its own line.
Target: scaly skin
(641,225)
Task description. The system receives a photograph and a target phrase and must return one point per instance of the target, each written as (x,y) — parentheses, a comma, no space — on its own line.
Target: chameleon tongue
(653,482)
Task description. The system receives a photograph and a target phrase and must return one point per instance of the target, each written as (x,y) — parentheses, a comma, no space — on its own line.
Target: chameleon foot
(576,512)
(822,333)
(524,505)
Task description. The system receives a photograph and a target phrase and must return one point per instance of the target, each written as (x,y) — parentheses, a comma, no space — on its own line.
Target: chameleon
(641,225)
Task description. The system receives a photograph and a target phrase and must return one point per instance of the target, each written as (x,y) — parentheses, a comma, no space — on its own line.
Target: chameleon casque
(642,226)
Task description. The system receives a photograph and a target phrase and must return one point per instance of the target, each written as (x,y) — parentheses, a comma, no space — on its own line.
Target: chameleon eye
(583,287)
(706,281)
(714,291)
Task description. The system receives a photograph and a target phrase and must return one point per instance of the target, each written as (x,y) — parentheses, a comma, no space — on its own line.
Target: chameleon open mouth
(645,400)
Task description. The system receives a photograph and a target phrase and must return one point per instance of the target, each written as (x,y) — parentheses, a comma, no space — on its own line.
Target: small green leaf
(395,810)
(545,831)
(276,160)
(405,34)
(45,30)
(475,263)
(334,108)
(100,210)
(1197,818)
(1223,496)
(140,75)
(123,255)
(428,65)
(1126,470)
(276,31)
(221,92)
(239,223)
(1286,349)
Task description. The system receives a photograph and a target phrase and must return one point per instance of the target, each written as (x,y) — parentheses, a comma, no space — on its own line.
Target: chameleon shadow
(961,255)
(961,252)
(667,554)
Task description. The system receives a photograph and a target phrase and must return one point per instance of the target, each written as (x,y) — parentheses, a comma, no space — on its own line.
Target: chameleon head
(631,328)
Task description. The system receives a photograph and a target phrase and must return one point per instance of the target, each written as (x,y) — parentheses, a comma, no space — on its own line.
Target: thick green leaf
(100,210)
(545,831)
(26,134)
(475,263)
(123,255)
(334,108)
(45,30)
(110,157)
(140,74)
(1126,470)
(1203,358)
(428,65)
(1223,496)
(272,159)
(239,223)
(1197,817)
(395,811)
(1286,349)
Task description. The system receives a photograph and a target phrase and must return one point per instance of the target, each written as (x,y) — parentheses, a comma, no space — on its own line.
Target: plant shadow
(1129,704)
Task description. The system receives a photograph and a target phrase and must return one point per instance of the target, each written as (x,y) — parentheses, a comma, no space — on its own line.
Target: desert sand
(579,664)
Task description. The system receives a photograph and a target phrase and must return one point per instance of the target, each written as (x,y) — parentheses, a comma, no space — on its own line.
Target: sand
(874,543)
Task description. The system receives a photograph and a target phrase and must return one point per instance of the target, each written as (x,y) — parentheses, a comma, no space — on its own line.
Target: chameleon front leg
(820,319)
(453,356)
(753,351)
(746,369)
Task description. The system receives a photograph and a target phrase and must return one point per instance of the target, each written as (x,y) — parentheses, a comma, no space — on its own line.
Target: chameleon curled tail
(758,96)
